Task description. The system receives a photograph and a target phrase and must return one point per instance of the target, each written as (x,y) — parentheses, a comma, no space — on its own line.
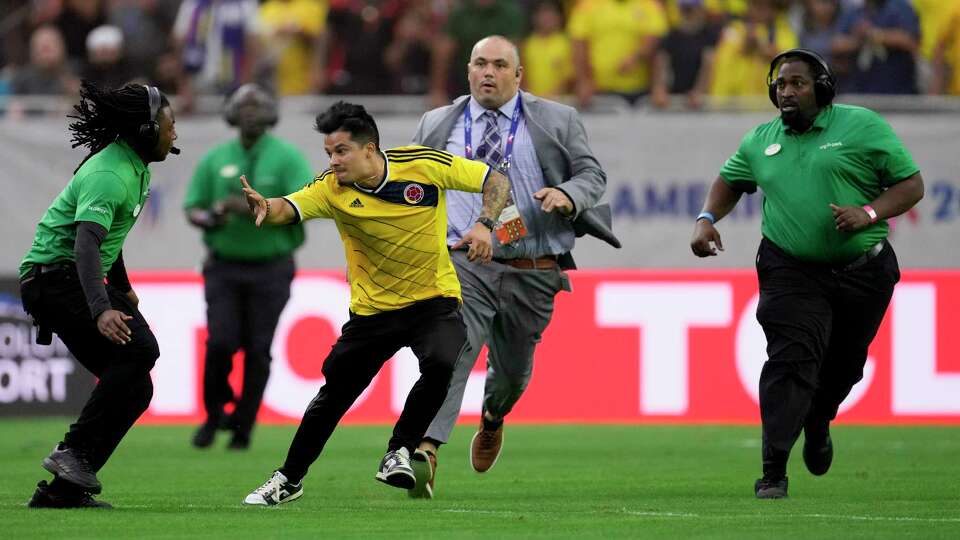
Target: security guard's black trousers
(244,302)
(432,328)
(819,321)
(123,392)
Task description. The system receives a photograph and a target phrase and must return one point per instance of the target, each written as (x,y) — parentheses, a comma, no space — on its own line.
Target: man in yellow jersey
(390,210)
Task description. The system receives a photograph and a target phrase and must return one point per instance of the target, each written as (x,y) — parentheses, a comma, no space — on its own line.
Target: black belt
(40,269)
(863,259)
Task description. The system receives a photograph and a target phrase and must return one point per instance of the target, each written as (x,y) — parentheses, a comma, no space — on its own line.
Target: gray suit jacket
(561,144)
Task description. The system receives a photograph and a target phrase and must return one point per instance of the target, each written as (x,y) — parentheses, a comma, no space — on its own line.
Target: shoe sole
(423,473)
(291,498)
(402,480)
(99,505)
(771,494)
(55,469)
(495,458)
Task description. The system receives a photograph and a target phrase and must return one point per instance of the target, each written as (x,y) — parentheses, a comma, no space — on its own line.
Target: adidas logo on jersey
(356,204)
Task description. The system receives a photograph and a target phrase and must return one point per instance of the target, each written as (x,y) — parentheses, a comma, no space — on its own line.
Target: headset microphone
(174,150)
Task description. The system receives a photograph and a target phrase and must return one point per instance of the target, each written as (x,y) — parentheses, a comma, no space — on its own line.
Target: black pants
(55,300)
(244,302)
(819,322)
(435,331)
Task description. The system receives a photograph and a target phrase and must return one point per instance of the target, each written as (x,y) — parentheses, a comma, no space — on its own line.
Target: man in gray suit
(557,183)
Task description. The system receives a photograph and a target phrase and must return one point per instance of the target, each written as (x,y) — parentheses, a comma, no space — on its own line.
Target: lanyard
(508,150)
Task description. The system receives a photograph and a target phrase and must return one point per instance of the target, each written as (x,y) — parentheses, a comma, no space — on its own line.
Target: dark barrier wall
(35,379)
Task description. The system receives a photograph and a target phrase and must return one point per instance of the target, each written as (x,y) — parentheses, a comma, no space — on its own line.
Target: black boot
(817,449)
(771,488)
(204,435)
(71,465)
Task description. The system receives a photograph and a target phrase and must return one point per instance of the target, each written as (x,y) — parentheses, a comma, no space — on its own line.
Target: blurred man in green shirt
(831,175)
(248,270)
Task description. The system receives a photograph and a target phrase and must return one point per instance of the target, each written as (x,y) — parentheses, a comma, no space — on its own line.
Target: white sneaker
(276,490)
(395,469)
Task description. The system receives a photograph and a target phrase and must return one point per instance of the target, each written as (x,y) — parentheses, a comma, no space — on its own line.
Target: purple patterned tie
(489,149)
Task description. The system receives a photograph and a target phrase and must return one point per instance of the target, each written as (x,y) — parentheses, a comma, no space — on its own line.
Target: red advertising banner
(629,346)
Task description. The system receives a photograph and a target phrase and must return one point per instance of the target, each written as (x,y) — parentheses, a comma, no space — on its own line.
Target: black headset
(266,105)
(824,84)
(149,131)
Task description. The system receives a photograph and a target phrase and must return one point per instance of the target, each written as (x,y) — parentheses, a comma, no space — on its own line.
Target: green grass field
(550,482)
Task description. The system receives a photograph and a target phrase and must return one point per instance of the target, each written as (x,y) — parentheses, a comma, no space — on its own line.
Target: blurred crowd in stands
(662,50)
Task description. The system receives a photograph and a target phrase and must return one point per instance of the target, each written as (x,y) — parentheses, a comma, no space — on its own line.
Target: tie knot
(491,115)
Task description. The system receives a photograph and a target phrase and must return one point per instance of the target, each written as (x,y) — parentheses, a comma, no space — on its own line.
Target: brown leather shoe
(485,446)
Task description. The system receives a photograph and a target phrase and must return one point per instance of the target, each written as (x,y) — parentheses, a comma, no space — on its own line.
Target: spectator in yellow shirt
(718,11)
(293,44)
(614,42)
(549,57)
(946,56)
(746,48)
(934,21)
(727,9)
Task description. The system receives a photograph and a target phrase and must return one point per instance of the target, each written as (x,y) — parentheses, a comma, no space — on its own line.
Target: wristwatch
(486,222)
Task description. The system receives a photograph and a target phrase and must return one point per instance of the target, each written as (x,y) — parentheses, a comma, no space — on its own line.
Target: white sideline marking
(491,512)
(820,516)
(686,515)
(639,513)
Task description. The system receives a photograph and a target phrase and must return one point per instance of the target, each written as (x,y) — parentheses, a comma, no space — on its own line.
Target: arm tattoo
(495,193)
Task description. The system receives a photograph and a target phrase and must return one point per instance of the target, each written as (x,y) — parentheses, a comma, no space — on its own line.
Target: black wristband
(486,222)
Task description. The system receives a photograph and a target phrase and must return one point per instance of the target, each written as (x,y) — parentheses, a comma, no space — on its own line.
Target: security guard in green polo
(78,242)
(831,175)
(248,271)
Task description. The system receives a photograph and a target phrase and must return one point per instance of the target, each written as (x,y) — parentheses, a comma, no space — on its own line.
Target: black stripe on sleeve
(419,150)
(406,159)
(320,177)
(296,210)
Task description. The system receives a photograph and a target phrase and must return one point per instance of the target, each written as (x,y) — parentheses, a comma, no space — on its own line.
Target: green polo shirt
(848,157)
(110,189)
(274,168)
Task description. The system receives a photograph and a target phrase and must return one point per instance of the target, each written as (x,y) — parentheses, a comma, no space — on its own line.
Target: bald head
(494,71)
(499,41)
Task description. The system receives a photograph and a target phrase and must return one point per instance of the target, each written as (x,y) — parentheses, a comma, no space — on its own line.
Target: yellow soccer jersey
(395,235)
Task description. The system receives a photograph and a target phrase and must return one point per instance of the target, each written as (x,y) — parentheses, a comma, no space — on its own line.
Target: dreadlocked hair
(104,115)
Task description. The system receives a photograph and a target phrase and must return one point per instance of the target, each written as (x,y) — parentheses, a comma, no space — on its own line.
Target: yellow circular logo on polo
(413,193)
(229,171)
(773,149)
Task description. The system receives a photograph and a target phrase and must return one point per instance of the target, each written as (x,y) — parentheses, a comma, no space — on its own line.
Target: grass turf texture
(551,481)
